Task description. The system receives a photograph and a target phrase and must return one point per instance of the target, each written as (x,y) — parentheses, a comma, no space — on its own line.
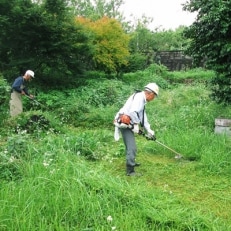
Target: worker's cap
(31,73)
(153,87)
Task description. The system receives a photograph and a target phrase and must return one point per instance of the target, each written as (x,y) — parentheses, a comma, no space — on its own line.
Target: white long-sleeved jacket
(135,108)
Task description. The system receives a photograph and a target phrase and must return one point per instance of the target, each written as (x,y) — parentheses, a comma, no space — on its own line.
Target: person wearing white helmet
(17,90)
(128,120)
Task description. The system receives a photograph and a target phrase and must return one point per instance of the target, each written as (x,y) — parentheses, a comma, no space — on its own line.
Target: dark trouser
(130,147)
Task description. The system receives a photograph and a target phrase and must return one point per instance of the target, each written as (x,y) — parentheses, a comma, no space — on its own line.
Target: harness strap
(142,122)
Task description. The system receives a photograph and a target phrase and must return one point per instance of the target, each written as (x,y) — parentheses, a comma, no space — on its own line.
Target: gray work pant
(130,146)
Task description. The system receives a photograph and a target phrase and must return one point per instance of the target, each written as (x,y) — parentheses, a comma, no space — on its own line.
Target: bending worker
(18,89)
(129,118)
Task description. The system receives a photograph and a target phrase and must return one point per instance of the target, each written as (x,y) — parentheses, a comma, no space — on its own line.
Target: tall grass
(70,174)
(72,194)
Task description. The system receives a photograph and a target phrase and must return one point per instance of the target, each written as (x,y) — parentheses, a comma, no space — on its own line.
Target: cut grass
(179,178)
(81,195)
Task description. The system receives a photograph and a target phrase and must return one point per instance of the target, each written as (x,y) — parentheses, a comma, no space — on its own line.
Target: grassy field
(64,171)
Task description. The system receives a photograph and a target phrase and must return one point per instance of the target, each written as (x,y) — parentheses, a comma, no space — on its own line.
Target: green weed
(70,174)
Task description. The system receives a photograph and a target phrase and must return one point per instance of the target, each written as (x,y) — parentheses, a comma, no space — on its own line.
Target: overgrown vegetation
(4,98)
(60,168)
(213,19)
(69,39)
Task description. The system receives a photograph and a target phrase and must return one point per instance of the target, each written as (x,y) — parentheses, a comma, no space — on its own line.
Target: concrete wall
(173,60)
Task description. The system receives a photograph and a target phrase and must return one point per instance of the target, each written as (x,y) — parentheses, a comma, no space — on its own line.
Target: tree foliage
(96,9)
(143,40)
(42,37)
(210,39)
(145,43)
(110,43)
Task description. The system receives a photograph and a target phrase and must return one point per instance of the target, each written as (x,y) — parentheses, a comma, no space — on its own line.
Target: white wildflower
(23,132)
(12,159)
(45,164)
(109,218)
(52,171)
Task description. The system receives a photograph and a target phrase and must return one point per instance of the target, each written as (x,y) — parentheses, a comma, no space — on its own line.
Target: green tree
(145,43)
(168,40)
(210,40)
(109,42)
(43,37)
(96,9)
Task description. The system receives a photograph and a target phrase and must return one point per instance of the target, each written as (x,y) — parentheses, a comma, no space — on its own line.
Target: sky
(166,14)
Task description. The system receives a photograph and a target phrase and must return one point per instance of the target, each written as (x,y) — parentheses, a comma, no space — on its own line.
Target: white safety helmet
(31,73)
(152,87)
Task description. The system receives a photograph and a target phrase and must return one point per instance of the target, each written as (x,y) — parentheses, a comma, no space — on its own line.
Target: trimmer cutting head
(178,157)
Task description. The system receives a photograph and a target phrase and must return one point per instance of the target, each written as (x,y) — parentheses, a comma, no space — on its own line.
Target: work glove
(150,135)
(136,128)
(150,132)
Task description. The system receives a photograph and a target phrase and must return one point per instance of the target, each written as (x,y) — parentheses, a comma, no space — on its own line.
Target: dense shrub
(154,73)
(137,62)
(4,98)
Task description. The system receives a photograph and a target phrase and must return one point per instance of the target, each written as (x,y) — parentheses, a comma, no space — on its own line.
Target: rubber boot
(131,171)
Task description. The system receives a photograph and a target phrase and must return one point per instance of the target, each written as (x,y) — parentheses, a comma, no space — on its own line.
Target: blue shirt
(19,86)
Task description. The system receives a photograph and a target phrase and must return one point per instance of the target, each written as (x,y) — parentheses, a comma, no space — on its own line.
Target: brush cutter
(177,156)
(35,101)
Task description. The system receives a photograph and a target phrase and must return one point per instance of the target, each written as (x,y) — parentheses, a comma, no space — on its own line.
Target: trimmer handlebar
(150,137)
(147,136)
